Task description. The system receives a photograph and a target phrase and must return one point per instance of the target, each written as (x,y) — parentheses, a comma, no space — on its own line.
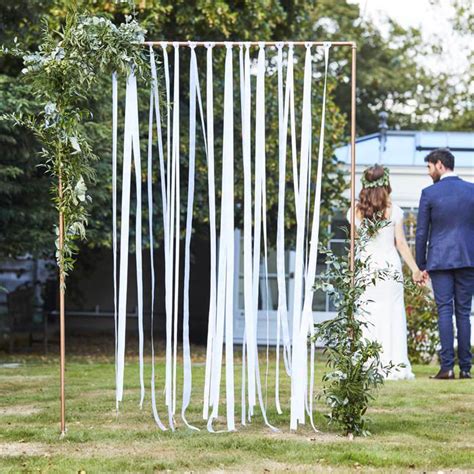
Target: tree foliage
(389,76)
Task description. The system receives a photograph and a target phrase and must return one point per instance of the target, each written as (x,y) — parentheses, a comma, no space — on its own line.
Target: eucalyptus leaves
(355,367)
(62,75)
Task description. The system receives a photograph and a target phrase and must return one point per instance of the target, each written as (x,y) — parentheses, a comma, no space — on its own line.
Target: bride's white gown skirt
(386,320)
(385,305)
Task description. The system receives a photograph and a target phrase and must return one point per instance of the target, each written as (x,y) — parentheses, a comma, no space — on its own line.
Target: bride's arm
(357,217)
(405,252)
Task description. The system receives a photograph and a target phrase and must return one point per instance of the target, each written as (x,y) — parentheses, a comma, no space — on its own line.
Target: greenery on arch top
(63,73)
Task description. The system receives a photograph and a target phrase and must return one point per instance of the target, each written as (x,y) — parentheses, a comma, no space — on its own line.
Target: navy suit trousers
(453,291)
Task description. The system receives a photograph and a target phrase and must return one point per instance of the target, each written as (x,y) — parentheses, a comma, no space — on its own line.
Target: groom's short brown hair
(443,155)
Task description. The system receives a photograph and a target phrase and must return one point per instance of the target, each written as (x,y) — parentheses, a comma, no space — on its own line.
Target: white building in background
(401,151)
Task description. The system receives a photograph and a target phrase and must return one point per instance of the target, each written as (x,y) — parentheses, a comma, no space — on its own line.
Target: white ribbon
(289,114)
(249,309)
(212,228)
(168,255)
(138,240)
(259,150)
(124,238)
(176,214)
(225,284)
(282,316)
(242,115)
(280,250)
(299,353)
(114,204)
(228,170)
(131,140)
(290,106)
(221,307)
(260,109)
(260,209)
(307,319)
(154,102)
(194,92)
(262,157)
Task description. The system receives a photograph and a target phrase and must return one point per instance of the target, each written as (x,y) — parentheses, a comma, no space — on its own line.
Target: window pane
(241,292)
(319,301)
(338,224)
(339,248)
(272,302)
(331,304)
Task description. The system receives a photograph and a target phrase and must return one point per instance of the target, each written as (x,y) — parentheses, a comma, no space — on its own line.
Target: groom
(446,224)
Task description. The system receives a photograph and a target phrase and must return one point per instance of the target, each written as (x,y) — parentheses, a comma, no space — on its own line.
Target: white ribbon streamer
(290,105)
(307,319)
(259,160)
(194,93)
(222,278)
(114,205)
(228,210)
(225,284)
(138,239)
(168,255)
(261,92)
(242,115)
(299,353)
(124,239)
(260,210)
(282,316)
(131,141)
(249,308)
(212,229)
(154,102)
(176,213)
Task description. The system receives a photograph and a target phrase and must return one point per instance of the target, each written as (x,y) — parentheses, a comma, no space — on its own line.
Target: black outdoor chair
(20,318)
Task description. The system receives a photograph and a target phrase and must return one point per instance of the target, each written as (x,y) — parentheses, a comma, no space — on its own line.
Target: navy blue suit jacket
(446,224)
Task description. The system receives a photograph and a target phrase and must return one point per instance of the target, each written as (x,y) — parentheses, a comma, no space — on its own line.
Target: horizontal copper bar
(253,43)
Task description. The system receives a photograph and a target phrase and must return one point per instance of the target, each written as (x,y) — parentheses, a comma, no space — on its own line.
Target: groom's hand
(426,277)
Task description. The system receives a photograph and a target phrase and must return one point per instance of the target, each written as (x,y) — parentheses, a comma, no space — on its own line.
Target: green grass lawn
(420,425)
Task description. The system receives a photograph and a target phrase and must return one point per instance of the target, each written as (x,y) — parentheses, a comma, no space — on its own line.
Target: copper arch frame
(349,44)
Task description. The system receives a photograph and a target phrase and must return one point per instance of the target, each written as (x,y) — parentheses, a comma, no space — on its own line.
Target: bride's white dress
(385,306)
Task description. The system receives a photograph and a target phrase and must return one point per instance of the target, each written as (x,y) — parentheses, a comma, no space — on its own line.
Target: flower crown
(383,181)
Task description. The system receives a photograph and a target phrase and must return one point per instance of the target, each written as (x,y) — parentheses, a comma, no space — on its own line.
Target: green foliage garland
(63,73)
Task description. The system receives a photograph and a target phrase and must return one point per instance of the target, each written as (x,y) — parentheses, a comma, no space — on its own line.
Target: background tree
(26,214)
(460,88)
(410,94)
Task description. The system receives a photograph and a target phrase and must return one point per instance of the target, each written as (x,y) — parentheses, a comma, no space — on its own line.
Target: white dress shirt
(448,174)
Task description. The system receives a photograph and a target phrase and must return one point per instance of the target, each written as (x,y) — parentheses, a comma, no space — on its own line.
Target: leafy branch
(63,74)
(355,367)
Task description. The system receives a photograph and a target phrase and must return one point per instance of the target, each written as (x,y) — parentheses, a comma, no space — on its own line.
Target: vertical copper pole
(62,349)
(353,153)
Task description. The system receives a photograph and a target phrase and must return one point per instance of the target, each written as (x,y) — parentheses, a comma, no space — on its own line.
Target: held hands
(420,277)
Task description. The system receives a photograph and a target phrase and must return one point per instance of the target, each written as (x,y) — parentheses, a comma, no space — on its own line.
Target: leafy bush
(355,368)
(422,323)
(422,314)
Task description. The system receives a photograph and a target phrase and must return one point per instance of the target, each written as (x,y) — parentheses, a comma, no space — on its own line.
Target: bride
(385,307)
